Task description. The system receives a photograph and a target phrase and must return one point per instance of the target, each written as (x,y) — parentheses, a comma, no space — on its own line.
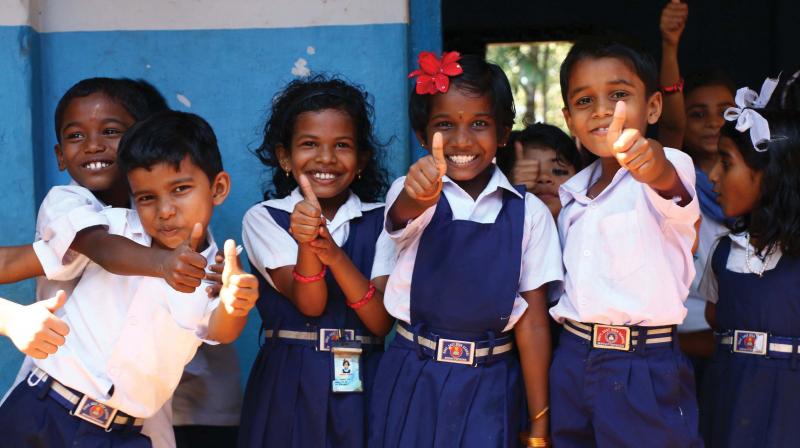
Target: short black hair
(610,47)
(140,98)
(168,137)
(479,78)
(549,136)
(709,76)
(313,94)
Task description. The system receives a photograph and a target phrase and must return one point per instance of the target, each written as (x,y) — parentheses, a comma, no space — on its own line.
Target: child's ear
(60,157)
(221,187)
(284,158)
(503,141)
(568,119)
(654,104)
(422,139)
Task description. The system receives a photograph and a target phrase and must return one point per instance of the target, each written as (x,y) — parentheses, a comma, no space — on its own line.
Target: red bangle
(303,279)
(364,300)
(677,87)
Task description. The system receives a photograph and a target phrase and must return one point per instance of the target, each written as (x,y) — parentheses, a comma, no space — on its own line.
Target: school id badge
(346,366)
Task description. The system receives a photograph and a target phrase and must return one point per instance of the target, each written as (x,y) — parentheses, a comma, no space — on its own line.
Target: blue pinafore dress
(754,401)
(464,283)
(288,402)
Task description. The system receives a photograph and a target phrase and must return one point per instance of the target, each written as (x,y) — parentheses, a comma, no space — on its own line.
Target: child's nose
(715,121)
(166,209)
(604,107)
(462,138)
(326,154)
(96,144)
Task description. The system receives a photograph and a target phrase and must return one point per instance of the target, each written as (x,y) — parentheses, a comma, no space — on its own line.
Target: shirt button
(587,253)
(592,205)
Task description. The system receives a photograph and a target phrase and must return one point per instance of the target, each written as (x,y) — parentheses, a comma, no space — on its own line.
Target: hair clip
(433,75)
(747,118)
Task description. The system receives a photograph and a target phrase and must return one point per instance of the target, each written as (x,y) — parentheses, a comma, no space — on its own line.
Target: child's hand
(525,171)
(184,268)
(307,215)
(239,289)
(214,274)
(673,21)
(424,180)
(644,158)
(325,248)
(35,330)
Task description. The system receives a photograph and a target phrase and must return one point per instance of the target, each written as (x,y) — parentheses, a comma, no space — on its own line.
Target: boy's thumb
(231,258)
(53,304)
(194,238)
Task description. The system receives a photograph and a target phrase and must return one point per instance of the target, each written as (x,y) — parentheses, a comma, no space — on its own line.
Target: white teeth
(97,165)
(461,159)
(324,176)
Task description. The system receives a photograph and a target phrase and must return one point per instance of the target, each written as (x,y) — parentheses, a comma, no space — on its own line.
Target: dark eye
(619,95)
(560,172)
(697,114)
(113,131)
(583,101)
(74,135)
(443,125)
(480,124)
(343,145)
(144,198)
(308,144)
(182,188)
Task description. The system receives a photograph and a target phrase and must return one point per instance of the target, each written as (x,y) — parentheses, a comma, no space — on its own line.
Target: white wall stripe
(114,15)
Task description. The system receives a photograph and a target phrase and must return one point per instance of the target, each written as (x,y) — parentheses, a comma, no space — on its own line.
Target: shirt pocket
(622,245)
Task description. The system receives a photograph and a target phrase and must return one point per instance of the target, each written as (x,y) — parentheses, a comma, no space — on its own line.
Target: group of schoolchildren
(604,234)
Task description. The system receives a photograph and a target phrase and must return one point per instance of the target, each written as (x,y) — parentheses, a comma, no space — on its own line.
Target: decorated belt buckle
(454,351)
(611,337)
(95,412)
(751,342)
(328,335)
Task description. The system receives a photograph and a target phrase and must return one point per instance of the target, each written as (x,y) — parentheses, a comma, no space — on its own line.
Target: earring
(287,173)
(359,174)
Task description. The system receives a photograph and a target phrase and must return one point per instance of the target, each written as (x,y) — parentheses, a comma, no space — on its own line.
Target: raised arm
(672,124)
(237,297)
(423,185)
(19,263)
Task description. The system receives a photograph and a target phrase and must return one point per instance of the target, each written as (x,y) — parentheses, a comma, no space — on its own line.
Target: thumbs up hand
(306,218)
(326,249)
(525,171)
(35,329)
(673,21)
(239,289)
(644,158)
(424,180)
(183,268)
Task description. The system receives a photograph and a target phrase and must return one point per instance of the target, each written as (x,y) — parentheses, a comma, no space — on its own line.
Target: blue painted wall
(229,77)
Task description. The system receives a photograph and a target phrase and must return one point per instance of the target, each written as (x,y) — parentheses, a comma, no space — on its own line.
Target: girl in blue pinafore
(469,362)
(753,283)
(314,246)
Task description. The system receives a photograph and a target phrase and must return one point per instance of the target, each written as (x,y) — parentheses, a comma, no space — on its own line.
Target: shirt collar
(351,209)
(577,186)
(496,182)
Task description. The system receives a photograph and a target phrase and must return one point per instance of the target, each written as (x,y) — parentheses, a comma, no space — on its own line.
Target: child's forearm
(355,287)
(405,208)
(672,124)
(119,255)
(7,308)
(223,327)
(532,335)
(668,184)
(19,263)
(310,298)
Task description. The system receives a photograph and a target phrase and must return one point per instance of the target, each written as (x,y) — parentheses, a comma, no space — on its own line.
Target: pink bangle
(303,279)
(364,300)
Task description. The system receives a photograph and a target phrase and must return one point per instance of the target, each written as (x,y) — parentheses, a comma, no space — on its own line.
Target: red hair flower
(433,75)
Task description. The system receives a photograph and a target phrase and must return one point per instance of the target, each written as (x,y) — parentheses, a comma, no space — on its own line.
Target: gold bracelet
(538,442)
(541,413)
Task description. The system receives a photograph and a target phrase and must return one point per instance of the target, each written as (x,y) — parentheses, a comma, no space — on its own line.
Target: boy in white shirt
(618,377)
(131,336)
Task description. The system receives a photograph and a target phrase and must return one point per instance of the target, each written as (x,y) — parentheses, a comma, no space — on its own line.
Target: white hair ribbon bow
(747,118)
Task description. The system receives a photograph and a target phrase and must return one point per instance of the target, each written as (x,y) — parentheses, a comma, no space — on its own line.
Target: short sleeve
(268,245)
(65,211)
(541,253)
(385,256)
(667,207)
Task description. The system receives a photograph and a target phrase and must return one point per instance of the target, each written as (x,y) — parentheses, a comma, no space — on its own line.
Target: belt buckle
(455,351)
(750,342)
(95,412)
(611,337)
(328,335)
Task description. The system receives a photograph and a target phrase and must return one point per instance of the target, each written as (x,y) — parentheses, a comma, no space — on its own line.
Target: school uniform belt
(321,338)
(454,350)
(619,337)
(82,406)
(759,343)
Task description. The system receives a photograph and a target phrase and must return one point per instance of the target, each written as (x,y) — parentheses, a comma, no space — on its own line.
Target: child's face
(552,173)
(704,109)
(92,128)
(595,86)
(171,201)
(469,133)
(737,185)
(324,149)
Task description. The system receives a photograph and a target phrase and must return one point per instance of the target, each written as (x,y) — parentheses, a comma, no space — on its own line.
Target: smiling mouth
(97,165)
(324,176)
(600,131)
(461,159)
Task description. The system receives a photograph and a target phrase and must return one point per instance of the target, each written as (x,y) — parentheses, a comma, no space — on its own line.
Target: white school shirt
(269,246)
(541,254)
(736,262)
(710,231)
(133,333)
(627,253)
